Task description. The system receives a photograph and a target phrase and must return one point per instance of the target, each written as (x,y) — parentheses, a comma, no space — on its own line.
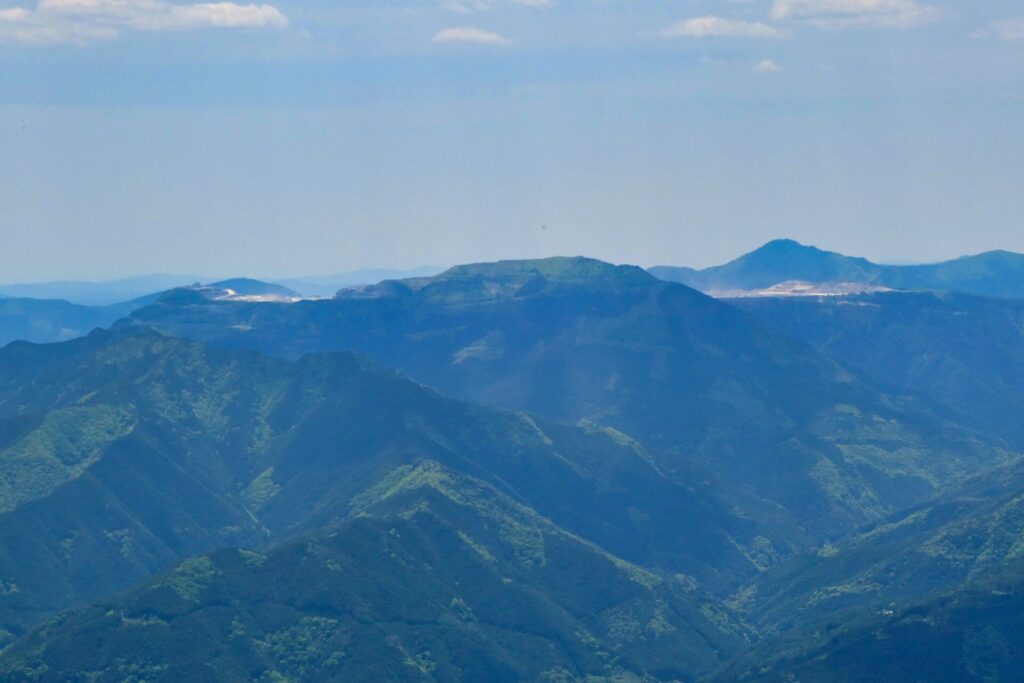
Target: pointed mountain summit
(994,273)
(777,261)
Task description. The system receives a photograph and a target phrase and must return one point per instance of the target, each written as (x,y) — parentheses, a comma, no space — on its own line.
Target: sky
(299,138)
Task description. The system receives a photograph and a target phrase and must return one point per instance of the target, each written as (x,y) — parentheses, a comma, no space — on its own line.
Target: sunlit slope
(697,381)
(122,453)
(437,576)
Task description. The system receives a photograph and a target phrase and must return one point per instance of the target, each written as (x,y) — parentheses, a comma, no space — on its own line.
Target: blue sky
(311,137)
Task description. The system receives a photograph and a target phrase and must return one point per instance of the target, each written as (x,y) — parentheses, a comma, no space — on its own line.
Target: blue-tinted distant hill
(328,285)
(995,273)
(99,293)
(111,292)
(244,286)
(51,320)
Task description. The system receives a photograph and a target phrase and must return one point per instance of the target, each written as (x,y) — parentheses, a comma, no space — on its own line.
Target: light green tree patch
(67,442)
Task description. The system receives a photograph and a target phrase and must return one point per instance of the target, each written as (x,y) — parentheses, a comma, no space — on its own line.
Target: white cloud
(767,66)
(719,27)
(467,6)
(87,21)
(469,34)
(840,14)
(1010,30)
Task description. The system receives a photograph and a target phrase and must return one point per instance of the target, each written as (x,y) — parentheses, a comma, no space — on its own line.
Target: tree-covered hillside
(964,351)
(435,577)
(125,452)
(693,379)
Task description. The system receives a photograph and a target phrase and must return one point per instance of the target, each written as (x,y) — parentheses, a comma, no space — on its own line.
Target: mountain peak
(480,282)
(788,249)
(784,245)
(780,260)
(245,286)
(574,269)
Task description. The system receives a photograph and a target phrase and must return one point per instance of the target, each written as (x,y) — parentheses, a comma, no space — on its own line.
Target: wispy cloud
(469,34)
(1010,30)
(839,14)
(88,21)
(767,66)
(467,6)
(720,27)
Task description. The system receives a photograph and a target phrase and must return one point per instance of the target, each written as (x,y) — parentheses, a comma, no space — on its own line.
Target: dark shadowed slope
(438,577)
(964,351)
(124,452)
(693,378)
(44,320)
(929,549)
(995,273)
(975,633)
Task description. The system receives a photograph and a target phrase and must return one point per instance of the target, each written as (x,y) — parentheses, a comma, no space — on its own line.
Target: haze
(315,137)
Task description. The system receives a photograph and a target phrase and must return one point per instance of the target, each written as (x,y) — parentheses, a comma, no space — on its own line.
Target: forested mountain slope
(125,452)
(694,379)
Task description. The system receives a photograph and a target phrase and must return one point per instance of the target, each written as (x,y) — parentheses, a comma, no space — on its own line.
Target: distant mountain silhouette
(327,285)
(53,320)
(995,273)
(99,293)
(244,286)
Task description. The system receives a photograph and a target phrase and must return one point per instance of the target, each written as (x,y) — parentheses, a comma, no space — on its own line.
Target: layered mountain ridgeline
(964,351)
(924,550)
(975,633)
(52,320)
(821,605)
(693,378)
(392,533)
(995,273)
(437,577)
(125,452)
(45,320)
(99,293)
(328,285)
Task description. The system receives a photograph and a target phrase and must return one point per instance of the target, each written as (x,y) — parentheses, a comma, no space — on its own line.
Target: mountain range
(551,470)
(127,452)
(53,320)
(109,292)
(106,293)
(698,382)
(995,273)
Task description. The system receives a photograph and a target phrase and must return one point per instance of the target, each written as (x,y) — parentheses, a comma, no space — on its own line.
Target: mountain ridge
(997,273)
(695,380)
(127,451)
